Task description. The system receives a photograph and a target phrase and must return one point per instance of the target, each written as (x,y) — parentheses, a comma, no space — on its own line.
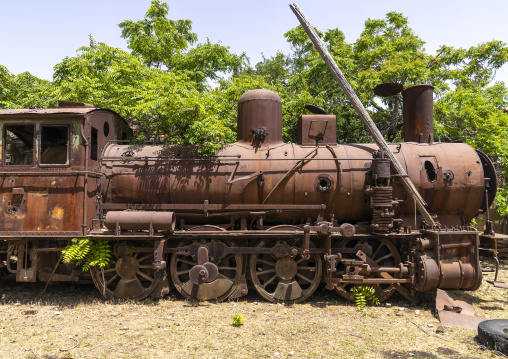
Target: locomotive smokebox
(418,114)
(260,118)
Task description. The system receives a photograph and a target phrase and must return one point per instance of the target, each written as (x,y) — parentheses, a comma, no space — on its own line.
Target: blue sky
(36,35)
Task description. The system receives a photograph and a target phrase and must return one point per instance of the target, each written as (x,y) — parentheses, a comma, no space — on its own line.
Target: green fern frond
(86,253)
(362,295)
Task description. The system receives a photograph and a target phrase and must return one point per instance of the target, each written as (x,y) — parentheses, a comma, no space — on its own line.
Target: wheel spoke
(300,260)
(187,262)
(183,272)
(143,258)
(306,268)
(270,280)
(112,279)
(384,258)
(228,268)
(259,260)
(145,266)
(304,278)
(381,245)
(265,272)
(109,270)
(146,276)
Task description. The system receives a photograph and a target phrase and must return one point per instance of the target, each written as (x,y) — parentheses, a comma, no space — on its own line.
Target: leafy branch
(86,253)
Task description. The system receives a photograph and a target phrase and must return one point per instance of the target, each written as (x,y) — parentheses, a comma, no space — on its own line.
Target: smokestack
(418,113)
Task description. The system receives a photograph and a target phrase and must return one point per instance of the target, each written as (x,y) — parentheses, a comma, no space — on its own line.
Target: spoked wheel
(228,279)
(285,279)
(381,251)
(128,277)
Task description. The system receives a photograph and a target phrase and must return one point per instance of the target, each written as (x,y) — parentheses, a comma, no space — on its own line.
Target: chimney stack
(418,113)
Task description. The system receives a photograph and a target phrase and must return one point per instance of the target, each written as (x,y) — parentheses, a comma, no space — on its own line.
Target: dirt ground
(74,321)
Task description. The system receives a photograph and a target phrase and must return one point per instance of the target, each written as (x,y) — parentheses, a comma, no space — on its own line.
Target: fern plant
(362,295)
(87,253)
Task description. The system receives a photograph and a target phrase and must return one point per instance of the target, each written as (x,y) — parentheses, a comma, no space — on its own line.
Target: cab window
(54,145)
(19,145)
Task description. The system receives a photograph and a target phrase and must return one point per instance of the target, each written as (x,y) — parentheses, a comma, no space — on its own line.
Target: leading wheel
(381,251)
(285,279)
(128,277)
(230,275)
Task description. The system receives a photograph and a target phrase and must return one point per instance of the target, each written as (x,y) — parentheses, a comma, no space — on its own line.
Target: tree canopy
(176,89)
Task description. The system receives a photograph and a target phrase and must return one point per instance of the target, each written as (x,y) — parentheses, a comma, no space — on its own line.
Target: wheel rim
(286,279)
(230,274)
(381,251)
(128,277)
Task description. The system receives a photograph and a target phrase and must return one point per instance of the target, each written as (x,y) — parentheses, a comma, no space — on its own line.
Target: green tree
(157,40)
(164,43)
(24,90)
(468,105)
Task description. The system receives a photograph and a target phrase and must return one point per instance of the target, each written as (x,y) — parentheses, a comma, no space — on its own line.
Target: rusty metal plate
(448,305)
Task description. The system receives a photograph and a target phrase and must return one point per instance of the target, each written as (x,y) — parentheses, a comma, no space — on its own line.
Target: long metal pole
(362,112)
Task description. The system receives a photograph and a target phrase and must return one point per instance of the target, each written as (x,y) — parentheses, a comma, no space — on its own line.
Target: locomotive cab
(49,167)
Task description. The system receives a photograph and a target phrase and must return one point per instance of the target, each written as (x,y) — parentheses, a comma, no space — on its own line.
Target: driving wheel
(284,279)
(128,277)
(227,280)
(381,251)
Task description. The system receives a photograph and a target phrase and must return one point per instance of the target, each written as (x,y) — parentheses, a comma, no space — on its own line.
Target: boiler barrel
(449,176)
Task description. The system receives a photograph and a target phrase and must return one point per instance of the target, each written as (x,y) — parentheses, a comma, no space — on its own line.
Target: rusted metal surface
(140,220)
(259,119)
(427,165)
(226,282)
(491,245)
(418,113)
(450,260)
(260,213)
(204,271)
(312,130)
(456,311)
(49,196)
(127,277)
(287,278)
(361,266)
(191,183)
(388,89)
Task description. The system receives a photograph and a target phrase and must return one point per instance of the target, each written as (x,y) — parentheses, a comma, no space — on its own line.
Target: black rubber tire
(492,334)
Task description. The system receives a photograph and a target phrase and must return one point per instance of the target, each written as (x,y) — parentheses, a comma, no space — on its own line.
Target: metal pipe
(85,179)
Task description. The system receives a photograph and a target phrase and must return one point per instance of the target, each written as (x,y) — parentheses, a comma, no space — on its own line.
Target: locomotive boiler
(278,218)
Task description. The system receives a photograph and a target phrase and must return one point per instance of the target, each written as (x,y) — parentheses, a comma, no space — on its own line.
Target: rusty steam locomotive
(280,218)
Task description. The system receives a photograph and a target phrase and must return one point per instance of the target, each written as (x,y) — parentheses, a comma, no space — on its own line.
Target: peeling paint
(57,213)
(76,137)
(38,194)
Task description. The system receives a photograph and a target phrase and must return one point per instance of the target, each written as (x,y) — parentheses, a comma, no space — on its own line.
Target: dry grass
(324,327)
